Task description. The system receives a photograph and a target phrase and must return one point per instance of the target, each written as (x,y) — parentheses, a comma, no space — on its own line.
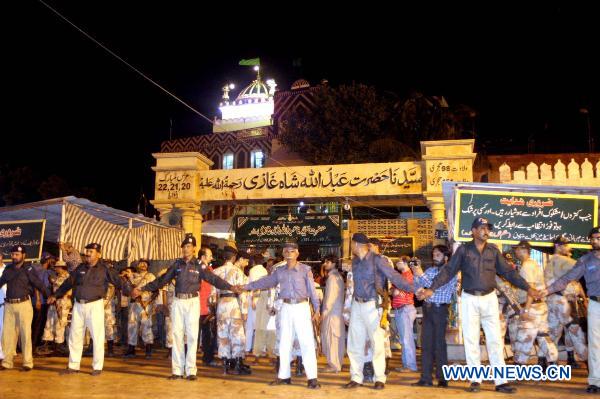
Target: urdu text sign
(536,217)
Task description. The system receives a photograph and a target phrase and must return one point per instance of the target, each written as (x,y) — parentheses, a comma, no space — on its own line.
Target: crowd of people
(246,306)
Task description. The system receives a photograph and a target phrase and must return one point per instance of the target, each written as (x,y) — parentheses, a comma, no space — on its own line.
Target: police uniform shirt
(90,283)
(20,281)
(365,271)
(587,266)
(187,277)
(478,269)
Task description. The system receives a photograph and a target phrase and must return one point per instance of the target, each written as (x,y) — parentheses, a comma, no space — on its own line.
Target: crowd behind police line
(262,306)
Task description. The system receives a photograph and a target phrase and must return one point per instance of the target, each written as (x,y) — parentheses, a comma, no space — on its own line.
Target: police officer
(185,313)
(21,280)
(370,272)
(588,266)
(533,322)
(560,308)
(297,285)
(140,312)
(58,313)
(479,262)
(232,310)
(89,282)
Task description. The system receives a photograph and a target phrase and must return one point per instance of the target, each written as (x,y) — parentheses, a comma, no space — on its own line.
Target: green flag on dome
(250,62)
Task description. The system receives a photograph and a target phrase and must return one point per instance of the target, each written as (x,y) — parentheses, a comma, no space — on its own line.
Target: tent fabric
(81,228)
(86,221)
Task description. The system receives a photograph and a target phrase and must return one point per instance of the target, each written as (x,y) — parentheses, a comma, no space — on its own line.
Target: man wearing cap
(58,312)
(231,313)
(588,266)
(533,323)
(561,304)
(89,283)
(21,280)
(370,272)
(140,312)
(297,286)
(479,262)
(187,271)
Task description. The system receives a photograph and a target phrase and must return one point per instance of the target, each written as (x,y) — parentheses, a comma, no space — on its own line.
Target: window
(228,161)
(257,159)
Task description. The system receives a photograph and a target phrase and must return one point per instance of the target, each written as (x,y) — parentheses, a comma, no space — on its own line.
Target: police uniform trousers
(534,330)
(594,342)
(56,323)
(295,318)
(91,316)
(230,329)
(476,312)
(364,325)
(140,318)
(559,319)
(185,315)
(17,320)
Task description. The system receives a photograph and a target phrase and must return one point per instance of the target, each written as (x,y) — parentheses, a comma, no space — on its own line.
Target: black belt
(186,295)
(595,298)
(534,301)
(84,301)
(363,300)
(16,300)
(294,301)
(478,292)
(437,305)
(231,295)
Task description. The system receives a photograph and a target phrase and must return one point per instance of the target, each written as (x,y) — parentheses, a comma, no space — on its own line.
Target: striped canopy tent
(78,221)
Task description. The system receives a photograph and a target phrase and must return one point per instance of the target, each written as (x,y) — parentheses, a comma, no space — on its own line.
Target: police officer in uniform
(89,282)
(185,313)
(588,266)
(370,272)
(560,307)
(140,312)
(231,312)
(21,280)
(479,262)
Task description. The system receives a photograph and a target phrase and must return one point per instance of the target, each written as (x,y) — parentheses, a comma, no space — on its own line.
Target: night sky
(74,110)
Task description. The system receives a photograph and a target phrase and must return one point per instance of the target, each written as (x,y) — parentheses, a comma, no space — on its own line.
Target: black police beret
(94,245)
(360,238)
(189,239)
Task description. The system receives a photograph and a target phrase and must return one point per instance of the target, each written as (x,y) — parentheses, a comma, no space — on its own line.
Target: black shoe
(592,389)
(279,381)
(299,367)
(352,385)
(379,385)
(192,377)
(543,363)
(571,360)
(25,368)
(313,384)
(110,348)
(130,352)
(422,383)
(96,373)
(68,371)
(233,367)
(148,351)
(474,387)
(442,384)
(175,377)
(244,369)
(505,388)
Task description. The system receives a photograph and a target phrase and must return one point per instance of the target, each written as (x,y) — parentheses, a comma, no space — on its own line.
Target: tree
(344,121)
(354,124)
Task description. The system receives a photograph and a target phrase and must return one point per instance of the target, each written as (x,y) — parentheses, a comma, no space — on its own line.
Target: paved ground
(140,378)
